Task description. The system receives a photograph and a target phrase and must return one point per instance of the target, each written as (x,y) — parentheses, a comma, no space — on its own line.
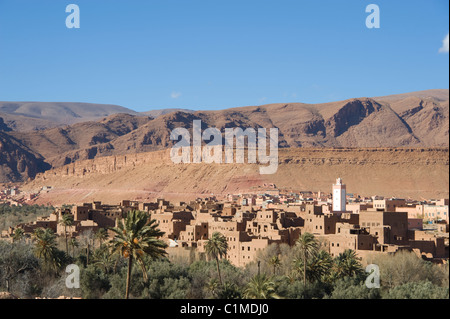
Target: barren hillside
(402,172)
(17,162)
(419,119)
(26,116)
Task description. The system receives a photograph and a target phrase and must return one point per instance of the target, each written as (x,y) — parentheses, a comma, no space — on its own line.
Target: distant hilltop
(37,136)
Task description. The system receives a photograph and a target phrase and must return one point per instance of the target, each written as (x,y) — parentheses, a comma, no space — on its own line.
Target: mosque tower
(339,196)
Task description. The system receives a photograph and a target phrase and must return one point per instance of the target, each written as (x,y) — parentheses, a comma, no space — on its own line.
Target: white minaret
(339,196)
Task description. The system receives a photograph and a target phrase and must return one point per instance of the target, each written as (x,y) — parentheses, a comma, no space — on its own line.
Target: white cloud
(175,95)
(444,48)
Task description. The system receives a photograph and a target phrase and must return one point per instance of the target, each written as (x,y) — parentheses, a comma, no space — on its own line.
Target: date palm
(102,258)
(347,264)
(321,265)
(66,221)
(45,241)
(217,246)
(101,235)
(275,262)
(74,244)
(307,246)
(260,287)
(317,266)
(86,238)
(137,236)
(19,234)
(213,286)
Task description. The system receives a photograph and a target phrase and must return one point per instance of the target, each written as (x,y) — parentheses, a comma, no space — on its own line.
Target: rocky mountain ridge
(412,120)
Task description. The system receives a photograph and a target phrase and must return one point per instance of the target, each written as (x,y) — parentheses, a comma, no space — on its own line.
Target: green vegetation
(216,247)
(134,264)
(10,216)
(136,237)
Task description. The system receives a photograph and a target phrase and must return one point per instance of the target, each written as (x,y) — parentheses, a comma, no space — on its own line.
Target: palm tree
(46,246)
(66,220)
(19,234)
(260,287)
(101,235)
(136,236)
(307,246)
(322,265)
(347,264)
(275,262)
(213,286)
(217,246)
(86,238)
(74,243)
(102,258)
(229,291)
(317,266)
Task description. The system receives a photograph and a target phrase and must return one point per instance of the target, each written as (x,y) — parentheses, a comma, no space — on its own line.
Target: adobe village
(251,223)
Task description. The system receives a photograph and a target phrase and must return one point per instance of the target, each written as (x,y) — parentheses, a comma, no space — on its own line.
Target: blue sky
(215,54)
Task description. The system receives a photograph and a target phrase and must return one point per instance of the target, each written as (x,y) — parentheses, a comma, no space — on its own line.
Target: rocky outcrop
(17,163)
(3,126)
(350,114)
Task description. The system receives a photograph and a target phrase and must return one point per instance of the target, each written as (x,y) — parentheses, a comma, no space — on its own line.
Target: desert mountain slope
(3,126)
(157,113)
(427,118)
(435,94)
(403,172)
(54,143)
(405,120)
(17,162)
(52,114)
(352,123)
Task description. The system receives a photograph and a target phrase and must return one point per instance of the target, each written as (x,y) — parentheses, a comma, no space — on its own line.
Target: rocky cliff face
(3,126)
(351,114)
(402,172)
(17,163)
